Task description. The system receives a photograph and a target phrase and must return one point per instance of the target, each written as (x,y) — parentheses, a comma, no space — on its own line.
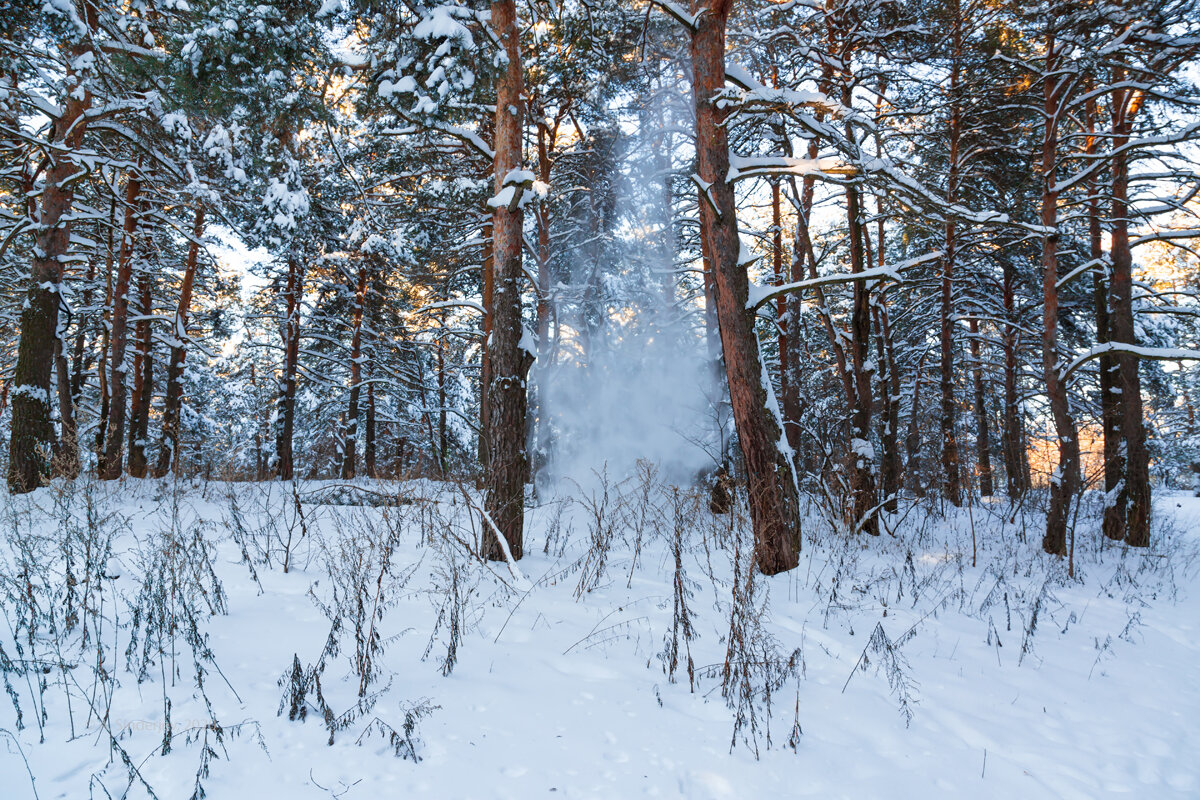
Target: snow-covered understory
(918,675)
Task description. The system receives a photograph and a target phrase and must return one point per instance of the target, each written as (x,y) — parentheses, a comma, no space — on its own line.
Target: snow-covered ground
(919,675)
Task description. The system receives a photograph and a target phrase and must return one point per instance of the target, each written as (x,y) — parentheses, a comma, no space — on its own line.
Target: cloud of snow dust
(643,391)
(630,378)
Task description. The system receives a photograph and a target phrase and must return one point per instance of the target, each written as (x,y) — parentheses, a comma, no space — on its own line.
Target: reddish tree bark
(772,488)
(1125,106)
(1064,483)
(506,466)
(32,433)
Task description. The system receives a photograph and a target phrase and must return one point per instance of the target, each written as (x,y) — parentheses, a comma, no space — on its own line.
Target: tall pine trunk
(1012,440)
(369,448)
(862,454)
(168,451)
(110,464)
(143,379)
(772,490)
(66,451)
(1125,105)
(485,358)
(349,462)
(506,468)
(951,468)
(541,450)
(285,410)
(983,434)
(1110,402)
(1064,482)
(32,436)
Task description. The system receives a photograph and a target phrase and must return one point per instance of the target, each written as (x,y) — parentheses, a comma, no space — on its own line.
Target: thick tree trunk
(1064,482)
(349,463)
(32,431)
(286,404)
(173,405)
(506,468)
(772,488)
(110,465)
(143,380)
(1125,105)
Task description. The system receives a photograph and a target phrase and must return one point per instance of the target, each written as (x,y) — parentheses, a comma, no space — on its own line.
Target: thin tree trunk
(173,403)
(143,380)
(443,437)
(1012,442)
(369,451)
(78,364)
(110,465)
(105,338)
(793,405)
(912,441)
(506,467)
(66,455)
(1116,496)
(862,454)
(772,488)
(983,436)
(485,360)
(889,389)
(541,449)
(286,404)
(349,463)
(781,278)
(950,456)
(889,381)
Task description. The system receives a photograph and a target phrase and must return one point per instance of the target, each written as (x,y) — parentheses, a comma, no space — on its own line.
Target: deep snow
(563,697)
